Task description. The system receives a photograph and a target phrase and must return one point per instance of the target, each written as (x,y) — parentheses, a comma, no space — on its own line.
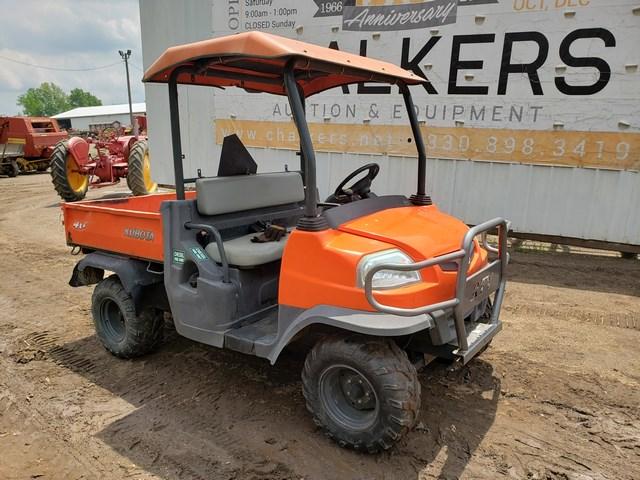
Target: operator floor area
(262,331)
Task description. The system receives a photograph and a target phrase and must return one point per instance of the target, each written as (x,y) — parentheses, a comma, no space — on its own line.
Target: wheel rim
(149,184)
(77,181)
(348,397)
(112,319)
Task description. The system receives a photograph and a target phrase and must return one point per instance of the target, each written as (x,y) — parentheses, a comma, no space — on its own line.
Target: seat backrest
(219,195)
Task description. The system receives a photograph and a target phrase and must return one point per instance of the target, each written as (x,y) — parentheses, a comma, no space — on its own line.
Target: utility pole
(125,56)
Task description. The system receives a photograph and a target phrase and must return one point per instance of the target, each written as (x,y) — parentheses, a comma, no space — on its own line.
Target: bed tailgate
(130,226)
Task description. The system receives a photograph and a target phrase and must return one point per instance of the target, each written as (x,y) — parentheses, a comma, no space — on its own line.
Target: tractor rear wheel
(68,181)
(121,330)
(363,391)
(139,176)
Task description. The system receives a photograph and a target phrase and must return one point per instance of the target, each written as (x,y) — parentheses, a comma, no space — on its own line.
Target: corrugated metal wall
(592,204)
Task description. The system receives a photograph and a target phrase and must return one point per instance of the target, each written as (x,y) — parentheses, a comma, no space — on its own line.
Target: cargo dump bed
(130,226)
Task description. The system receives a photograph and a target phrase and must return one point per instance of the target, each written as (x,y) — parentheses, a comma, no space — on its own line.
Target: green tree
(49,99)
(45,100)
(80,98)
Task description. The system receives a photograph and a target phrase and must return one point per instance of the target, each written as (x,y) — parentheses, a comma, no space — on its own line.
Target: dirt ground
(556,396)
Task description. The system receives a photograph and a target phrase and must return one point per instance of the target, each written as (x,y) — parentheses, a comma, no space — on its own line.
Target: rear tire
(122,331)
(139,176)
(363,391)
(71,186)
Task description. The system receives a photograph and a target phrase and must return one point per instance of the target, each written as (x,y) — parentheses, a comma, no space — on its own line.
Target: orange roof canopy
(256,61)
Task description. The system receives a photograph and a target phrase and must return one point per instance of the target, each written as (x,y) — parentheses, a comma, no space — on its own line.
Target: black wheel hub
(348,397)
(112,319)
(357,390)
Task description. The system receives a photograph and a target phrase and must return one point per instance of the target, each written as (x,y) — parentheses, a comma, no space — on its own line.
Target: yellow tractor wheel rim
(78,182)
(149,184)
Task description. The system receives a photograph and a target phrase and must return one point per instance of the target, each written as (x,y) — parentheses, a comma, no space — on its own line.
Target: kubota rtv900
(251,261)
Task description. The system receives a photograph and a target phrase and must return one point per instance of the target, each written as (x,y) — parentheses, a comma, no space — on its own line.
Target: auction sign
(532,81)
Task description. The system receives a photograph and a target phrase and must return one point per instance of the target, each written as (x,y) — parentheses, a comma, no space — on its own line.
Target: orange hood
(422,232)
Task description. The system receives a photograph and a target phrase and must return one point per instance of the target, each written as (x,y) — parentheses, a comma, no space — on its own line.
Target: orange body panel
(129,226)
(422,232)
(319,268)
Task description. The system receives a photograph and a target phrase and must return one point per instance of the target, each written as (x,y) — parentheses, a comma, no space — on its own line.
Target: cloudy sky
(69,34)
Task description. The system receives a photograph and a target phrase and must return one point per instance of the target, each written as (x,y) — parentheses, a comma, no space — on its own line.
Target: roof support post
(311,221)
(421,197)
(303,165)
(174,116)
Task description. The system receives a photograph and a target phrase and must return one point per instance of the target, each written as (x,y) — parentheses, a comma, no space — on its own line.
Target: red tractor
(26,143)
(77,164)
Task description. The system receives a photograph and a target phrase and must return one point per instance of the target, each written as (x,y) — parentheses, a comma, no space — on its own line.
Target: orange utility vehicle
(381,282)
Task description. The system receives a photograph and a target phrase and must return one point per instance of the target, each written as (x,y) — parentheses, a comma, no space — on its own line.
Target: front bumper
(471,290)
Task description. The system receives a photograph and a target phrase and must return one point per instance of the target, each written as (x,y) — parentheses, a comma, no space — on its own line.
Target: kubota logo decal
(139,234)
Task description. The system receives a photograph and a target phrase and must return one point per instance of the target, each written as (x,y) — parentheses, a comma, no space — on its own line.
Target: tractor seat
(242,252)
(243,193)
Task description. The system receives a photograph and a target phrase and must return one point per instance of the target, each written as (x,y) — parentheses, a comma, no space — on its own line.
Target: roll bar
(311,219)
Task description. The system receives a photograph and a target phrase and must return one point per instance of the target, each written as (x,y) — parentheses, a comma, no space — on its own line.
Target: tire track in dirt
(156,405)
(583,318)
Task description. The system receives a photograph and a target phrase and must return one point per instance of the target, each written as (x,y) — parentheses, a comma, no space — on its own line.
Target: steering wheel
(360,189)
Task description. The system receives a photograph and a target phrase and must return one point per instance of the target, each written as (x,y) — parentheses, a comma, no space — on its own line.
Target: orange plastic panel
(129,226)
(319,268)
(261,57)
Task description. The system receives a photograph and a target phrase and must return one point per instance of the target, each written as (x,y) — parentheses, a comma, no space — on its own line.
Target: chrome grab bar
(465,253)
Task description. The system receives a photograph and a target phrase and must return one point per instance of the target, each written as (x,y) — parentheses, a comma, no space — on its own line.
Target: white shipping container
(532,112)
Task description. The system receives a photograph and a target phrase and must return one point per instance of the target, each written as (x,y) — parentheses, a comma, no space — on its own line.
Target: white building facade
(100,117)
(532,111)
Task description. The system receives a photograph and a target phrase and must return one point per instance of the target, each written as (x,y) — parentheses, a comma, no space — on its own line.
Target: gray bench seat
(242,252)
(236,194)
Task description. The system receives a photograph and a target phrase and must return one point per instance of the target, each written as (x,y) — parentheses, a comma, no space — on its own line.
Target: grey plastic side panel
(203,313)
(350,211)
(220,195)
(292,320)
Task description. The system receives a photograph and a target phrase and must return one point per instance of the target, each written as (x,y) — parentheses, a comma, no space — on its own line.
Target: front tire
(363,391)
(122,331)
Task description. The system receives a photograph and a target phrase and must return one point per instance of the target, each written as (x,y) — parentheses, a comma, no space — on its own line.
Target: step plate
(244,339)
(478,336)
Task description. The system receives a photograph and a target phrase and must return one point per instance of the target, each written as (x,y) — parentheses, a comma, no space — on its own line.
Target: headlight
(385,279)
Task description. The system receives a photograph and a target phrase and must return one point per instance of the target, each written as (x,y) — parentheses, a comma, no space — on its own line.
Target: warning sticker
(178,257)
(199,254)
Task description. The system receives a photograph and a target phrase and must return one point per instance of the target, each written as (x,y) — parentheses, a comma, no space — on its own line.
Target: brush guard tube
(470,291)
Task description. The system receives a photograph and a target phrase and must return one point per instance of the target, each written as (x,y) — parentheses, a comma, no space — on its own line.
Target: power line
(59,69)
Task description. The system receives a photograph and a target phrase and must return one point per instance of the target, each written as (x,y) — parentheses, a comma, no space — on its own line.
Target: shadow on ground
(205,413)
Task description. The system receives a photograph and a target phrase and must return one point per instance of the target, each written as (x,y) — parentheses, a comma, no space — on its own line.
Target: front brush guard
(470,291)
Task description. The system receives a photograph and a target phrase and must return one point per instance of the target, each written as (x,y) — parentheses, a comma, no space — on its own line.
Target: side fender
(79,150)
(293,320)
(126,142)
(132,273)
(146,287)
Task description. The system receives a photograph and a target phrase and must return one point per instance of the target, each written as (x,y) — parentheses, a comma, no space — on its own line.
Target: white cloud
(70,34)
